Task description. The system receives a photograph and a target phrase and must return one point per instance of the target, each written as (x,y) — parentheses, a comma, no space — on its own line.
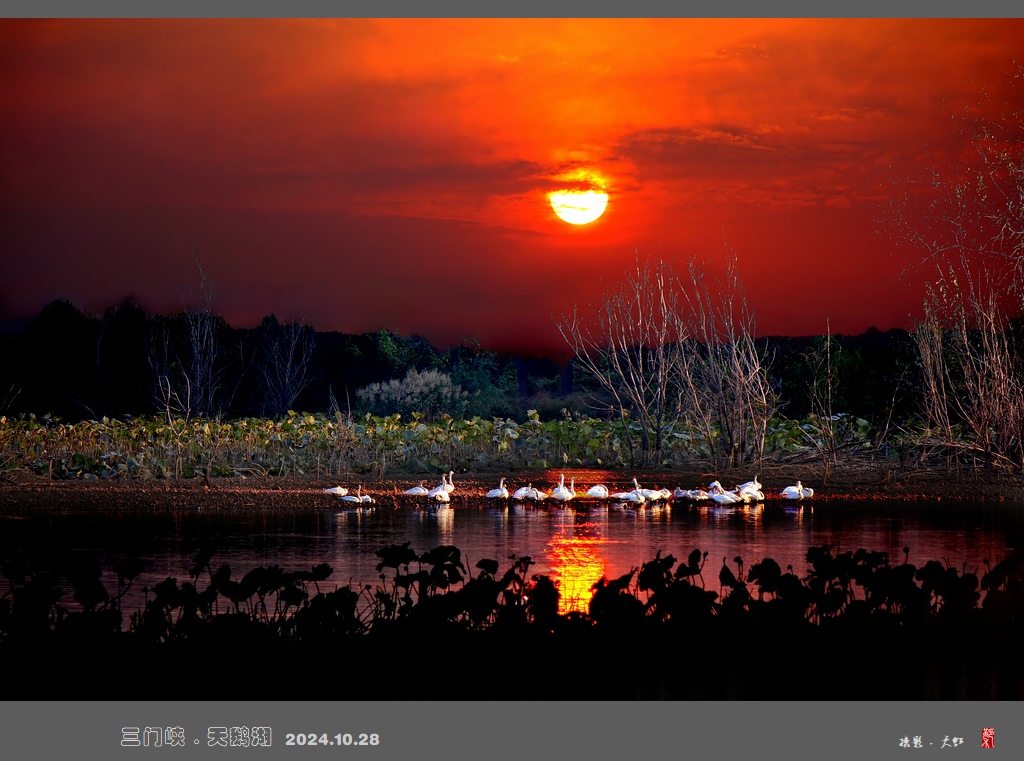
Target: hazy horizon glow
(364,174)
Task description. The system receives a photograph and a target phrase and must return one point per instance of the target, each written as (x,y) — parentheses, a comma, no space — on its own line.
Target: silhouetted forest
(78,366)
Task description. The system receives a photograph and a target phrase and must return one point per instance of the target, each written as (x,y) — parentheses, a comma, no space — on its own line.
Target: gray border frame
(505,731)
(521,9)
(515,730)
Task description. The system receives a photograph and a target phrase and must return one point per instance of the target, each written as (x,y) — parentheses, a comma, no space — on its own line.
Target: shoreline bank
(860,482)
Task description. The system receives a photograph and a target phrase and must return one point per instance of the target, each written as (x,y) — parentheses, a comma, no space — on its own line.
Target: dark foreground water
(575,546)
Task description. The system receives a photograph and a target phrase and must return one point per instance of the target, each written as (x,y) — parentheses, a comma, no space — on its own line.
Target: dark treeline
(78,366)
(127,362)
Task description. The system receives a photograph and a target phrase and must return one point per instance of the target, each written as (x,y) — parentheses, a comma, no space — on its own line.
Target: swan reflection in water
(755,514)
(712,512)
(441,513)
(445,515)
(500,516)
(798,511)
(356,516)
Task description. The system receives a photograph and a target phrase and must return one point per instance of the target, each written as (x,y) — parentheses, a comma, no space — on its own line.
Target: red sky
(359,174)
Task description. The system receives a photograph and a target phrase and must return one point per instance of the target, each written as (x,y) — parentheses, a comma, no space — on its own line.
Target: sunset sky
(363,174)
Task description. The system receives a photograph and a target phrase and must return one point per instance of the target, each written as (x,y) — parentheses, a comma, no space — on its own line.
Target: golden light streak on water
(577,563)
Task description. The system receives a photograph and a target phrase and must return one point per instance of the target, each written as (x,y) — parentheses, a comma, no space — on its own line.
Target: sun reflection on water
(577,560)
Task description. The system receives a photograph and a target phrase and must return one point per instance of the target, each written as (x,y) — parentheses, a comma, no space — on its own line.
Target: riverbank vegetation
(869,399)
(306,444)
(853,625)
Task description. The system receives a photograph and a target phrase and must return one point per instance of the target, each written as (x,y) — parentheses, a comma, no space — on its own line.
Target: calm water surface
(575,546)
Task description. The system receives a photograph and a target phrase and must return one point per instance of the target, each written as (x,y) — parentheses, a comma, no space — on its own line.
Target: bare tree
(186,364)
(724,374)
(669,353)
(172,389)
(973,396)
(285,352)
(822,387)
(967,222)
(7,399)
(630,342)
(969,214)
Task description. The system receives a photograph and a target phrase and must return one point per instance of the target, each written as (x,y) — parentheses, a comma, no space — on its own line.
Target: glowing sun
(579,207)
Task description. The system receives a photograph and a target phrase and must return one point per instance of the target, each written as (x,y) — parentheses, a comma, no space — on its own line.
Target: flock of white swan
(745,493)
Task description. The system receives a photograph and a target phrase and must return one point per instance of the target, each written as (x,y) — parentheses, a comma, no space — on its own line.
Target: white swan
(560,491)
(439,488)
(337,491)
(724,497)
(743,496)
(500,493)
(636,496)
(652,495)
(564,494)
(754,485)
(357,497)
(697,495)
(748,494)
(418,491)
(799,491)
(560,486)
(442,496)
(600,491)
(537,495)
(366,499)
(450,486)
(523,492)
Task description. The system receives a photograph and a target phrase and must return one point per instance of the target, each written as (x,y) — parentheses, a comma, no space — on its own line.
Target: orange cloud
(393,150)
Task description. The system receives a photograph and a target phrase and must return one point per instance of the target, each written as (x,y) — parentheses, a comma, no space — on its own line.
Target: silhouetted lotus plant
(767,574)
(656,574)
(127,571)
(479,599)
(613,604)
(693,568)
(394,556)
(793,598)
(202,561)
(843,592)
(1004,587)
(542,607)
(328,615)
(514,582)
(674,597)
(446,566)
